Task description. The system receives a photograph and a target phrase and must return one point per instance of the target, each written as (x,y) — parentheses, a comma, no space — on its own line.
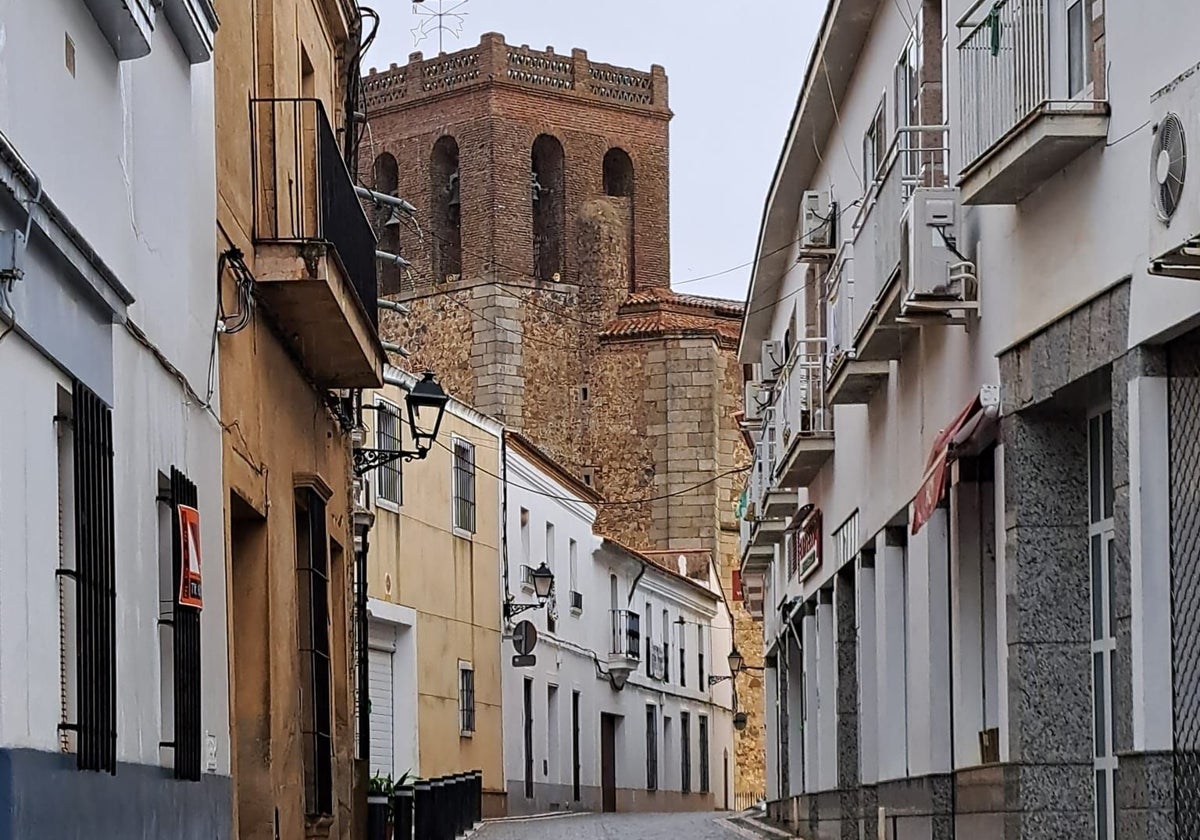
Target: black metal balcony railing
(303,191)
(626,634)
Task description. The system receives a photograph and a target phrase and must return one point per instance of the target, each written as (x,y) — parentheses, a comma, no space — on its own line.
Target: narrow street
(693,826)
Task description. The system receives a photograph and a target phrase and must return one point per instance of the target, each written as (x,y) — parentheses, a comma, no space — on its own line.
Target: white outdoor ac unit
(1175,192)
(757,398)
(772,359)
(840,302)
(930,268)
(816,223)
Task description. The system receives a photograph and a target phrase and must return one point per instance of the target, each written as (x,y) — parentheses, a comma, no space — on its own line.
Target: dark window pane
(1107,422)
(1097,589)
(1099,693)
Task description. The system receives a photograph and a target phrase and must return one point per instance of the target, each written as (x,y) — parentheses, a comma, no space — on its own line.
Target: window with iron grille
(387,437)
(685,751)
(464,486)
(704,780)
(466,697)
(316,722)
(682,652)
(91,713)
(180,635)
(651,748)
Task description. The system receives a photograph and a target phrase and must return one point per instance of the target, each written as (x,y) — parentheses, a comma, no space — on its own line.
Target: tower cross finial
(444,19)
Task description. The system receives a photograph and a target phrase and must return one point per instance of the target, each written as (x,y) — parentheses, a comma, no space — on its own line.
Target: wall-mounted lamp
(426,404)
(543,585)
(737,664)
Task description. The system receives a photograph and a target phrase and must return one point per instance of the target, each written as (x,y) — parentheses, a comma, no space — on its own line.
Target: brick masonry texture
(624,382)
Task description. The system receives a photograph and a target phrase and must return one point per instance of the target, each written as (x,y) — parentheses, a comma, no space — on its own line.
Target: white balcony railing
(919,156)
(800,406)
(1013,61)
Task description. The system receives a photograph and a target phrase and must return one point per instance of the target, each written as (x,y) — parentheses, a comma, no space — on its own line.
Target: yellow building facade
(434,596)
(298,310)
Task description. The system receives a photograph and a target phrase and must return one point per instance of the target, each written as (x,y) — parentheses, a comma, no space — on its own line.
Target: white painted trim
(1150,564)
(391,613)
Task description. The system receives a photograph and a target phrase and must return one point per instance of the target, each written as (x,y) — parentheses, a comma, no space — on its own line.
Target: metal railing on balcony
(919,156)
(303,191)
(626,634)
(800,407)
(1013,61)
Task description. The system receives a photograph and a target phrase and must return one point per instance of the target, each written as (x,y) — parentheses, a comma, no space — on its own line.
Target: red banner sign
(189,557)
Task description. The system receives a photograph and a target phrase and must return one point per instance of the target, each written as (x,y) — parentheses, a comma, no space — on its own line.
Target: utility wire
(606,503)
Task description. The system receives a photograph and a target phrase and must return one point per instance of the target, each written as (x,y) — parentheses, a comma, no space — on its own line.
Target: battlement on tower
(493,62)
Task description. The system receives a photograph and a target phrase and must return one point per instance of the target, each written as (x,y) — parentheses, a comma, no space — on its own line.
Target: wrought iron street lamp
(426,403)
(737,664)
(543,586)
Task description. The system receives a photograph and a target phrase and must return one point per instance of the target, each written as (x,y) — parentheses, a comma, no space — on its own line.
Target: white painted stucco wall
(565,658)
(126,151)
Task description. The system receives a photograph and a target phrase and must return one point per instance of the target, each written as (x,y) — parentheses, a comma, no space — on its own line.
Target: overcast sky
(735,69)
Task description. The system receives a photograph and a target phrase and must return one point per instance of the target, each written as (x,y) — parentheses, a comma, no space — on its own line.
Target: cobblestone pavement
(693,826)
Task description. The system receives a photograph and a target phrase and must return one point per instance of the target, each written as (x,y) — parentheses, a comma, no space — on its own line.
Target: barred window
(316,672)
(651,747)
(387,437)
(466,697)
(464,486)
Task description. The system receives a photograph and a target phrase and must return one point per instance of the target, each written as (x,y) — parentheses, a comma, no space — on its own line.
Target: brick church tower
(540,291)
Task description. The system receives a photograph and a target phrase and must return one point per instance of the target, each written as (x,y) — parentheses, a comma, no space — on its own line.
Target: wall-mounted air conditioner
(1175,192)
(932,272)
(839,303)
(816,219)
(773,359)
(757,399)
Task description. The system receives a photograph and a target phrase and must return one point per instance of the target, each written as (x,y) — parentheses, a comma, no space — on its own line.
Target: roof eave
(831,66)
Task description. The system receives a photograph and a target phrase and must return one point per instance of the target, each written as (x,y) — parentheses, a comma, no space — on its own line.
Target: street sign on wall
(524,638)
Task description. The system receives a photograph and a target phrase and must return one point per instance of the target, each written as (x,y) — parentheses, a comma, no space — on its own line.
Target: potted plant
(379,807)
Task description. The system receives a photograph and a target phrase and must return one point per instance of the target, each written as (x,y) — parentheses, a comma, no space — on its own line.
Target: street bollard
(423,810)
(461,811)
(402,813)
(437,820)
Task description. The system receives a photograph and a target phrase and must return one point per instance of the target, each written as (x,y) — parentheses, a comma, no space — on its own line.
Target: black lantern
(736,661)
(426,405)
(543,581)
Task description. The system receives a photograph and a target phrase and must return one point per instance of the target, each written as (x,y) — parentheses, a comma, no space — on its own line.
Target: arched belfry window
(547,194)
(618,173)
(446,199)
(387,221)
(619,183)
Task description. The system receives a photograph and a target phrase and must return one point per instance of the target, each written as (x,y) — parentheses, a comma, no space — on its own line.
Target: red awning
(933,485)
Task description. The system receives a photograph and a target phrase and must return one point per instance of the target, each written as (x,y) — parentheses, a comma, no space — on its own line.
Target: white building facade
(619,712)
(114,702)
(971,320)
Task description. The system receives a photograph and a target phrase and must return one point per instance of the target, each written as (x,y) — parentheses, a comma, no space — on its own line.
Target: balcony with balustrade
(800,436)
(894,275)
(314,256)
(1032,95)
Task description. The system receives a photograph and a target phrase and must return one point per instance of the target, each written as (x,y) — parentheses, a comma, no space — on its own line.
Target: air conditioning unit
(930,269)
(839,304)
(773,360)
(816,220)
(1175,225)
(757,399)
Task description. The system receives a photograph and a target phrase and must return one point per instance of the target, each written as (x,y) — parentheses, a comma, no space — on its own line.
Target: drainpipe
(504,518)
(363,520)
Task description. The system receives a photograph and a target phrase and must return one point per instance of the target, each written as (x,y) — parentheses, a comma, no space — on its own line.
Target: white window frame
(460,529)
(385,407)
(1062,50)
(874,145)
(465,666)
(1103,646)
